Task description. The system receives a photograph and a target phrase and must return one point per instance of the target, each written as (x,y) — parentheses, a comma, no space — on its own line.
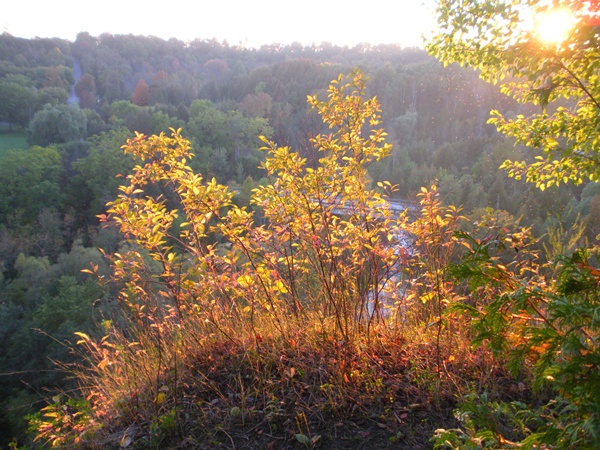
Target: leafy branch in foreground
(544,317)
(548,323)
(499,39)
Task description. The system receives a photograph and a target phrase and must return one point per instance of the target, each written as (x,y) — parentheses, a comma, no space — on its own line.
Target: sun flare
(553,26)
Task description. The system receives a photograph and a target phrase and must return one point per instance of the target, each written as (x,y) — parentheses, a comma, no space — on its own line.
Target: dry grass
(308,391)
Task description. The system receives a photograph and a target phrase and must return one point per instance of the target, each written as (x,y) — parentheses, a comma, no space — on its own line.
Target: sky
(245,22)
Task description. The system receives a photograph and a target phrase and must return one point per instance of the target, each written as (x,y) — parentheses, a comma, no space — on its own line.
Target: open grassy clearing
(12,140)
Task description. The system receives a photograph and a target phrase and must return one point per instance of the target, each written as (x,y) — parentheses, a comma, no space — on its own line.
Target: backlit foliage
(560,79)
(303,291)
(537,318)
(324,247)
(534,315)
(322,259)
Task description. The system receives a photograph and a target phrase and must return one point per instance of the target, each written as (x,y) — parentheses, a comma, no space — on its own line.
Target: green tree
(37,335)
(57,124)
(207,125)
(120,110)
(96,180)
(93,122)
(226,142)
(559,77)
(16,102)
(29,182)
(50,95)
(161,122)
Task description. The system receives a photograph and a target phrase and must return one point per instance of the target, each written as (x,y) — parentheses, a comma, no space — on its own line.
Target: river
(73,99)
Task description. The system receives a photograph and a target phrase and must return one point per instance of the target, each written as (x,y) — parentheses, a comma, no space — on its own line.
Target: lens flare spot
(554,26)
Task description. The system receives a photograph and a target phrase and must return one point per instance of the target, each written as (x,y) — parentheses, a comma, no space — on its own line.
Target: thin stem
(578,81)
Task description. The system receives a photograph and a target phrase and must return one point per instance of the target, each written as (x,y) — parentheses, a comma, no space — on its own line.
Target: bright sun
(554,26)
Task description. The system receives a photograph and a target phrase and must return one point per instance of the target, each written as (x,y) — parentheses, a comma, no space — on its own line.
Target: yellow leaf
(427,297)
(281,287)
(84,337)
(160,398)
(245,281)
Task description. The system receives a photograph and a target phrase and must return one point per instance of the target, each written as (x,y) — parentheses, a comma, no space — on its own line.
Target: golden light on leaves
(553,26)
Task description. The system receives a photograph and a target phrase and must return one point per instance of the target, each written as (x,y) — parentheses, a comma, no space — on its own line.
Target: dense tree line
(222,97)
